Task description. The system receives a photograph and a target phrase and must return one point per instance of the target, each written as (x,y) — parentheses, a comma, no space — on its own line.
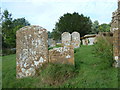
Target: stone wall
(31,50)
(115,29)
(115,45)
(75,39)
(63,55)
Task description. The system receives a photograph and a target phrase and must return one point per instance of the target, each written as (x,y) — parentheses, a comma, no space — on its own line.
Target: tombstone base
(62,55)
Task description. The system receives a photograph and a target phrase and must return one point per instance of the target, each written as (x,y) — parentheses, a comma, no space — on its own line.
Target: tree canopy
(104,27)
(95,26)
(73,22)
(9,28)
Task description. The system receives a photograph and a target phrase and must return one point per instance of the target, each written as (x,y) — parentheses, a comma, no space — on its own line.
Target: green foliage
(89,72)
(21,22)
(56,74)
(104,49)
(95,26)
(8,51)
(72,22)
(104,28)
(9,28)
(56,34)
(49,34)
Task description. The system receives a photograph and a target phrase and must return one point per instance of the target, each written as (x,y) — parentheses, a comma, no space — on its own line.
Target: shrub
(8,51)
(104,49)
(56,74)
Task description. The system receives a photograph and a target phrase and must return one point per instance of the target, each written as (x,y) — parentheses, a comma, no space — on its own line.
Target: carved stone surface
(63,55)
(66,38)
(31,50)
(75,40)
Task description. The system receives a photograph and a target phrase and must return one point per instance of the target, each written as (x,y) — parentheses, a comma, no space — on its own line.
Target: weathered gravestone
(62,55)
(75,39)
(31,50)
(66,38)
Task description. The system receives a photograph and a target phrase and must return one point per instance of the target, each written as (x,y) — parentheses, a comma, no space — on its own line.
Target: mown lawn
(89,72)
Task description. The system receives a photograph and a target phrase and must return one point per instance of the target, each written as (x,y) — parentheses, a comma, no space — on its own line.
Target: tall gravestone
(31,50)
(76,39)
(66,38)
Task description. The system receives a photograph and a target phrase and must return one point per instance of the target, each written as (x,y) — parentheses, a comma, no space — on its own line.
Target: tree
(20,21)
(104,27)
(56,34)
(49,34)
(95,26)
(73,22)
(9,28)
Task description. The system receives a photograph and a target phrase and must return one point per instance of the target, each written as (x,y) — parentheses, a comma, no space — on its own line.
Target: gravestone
(62,55)
(31,50)
(76,39)
(66,38)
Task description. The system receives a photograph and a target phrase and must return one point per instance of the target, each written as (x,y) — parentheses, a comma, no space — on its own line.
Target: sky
(46,13)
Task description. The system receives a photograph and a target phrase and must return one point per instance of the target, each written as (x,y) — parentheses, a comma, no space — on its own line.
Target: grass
(89,72)
(0,72)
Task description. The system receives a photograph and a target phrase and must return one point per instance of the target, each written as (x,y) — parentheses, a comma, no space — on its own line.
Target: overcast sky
(47,12)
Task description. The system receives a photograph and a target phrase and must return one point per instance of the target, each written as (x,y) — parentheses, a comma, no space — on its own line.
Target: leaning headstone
(62,55)
(31,50)
(76,39)
(66,38)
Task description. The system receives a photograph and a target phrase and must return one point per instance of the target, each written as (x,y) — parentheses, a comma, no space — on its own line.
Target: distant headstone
(62,55)
(31,50)
(51,43)
(85,41)
(66,38)
(91,40)
(76,39)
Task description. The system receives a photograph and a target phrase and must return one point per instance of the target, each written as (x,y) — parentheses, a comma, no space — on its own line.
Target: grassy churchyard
(90,71)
